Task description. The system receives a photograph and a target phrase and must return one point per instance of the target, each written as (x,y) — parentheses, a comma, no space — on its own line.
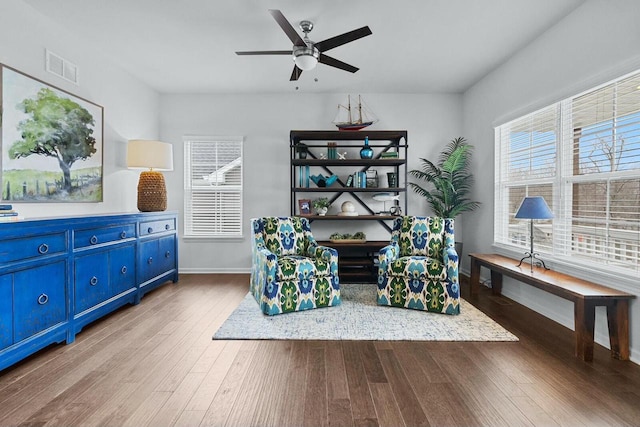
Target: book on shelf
(8,213)
(360,180)
(349,181)
(389,155)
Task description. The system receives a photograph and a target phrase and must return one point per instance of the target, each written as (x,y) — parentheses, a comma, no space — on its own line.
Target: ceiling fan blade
(295,74)
(266,52)
(342,39)
(287,28)
(332,62)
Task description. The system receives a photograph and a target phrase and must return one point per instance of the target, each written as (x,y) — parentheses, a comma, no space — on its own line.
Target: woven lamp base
(152,192)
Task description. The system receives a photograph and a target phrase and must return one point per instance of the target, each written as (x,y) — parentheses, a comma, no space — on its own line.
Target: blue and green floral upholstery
(419,268)
(290,271)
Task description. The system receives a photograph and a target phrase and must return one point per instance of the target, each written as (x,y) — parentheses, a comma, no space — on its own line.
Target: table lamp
(531,208)
(156,156)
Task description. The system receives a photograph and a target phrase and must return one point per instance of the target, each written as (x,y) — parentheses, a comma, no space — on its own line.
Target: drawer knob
(167,226)
(93,281)
(149,230)
(123,270)
(150,260)
(123,235)
(93,240)
(167,254)
(43,299)
(43,248)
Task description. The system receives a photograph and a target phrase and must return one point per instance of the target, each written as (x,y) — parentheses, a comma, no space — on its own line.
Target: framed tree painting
(51,142)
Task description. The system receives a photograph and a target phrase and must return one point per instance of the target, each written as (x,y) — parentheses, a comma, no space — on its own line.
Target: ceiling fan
(306,54)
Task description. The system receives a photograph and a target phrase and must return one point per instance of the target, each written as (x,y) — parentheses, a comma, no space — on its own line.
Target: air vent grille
(55,64)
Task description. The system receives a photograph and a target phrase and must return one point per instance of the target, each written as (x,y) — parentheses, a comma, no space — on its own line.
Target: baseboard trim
(214,270)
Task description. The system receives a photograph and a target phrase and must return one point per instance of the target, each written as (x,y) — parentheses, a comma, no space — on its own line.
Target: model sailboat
(356,118)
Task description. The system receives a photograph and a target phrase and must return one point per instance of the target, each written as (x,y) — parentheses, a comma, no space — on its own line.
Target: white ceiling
(417,46)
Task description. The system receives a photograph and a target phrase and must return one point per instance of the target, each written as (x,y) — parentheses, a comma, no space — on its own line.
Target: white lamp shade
(306,62)
(148,154)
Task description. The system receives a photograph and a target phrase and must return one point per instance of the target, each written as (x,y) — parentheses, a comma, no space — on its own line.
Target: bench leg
(584,317)
(618,321)
(496,283)
(474,279)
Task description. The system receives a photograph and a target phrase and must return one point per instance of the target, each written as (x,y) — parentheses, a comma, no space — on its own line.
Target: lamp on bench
(533,207)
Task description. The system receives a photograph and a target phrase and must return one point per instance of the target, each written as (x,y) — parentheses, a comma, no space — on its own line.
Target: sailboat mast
(349,109)
(359,109)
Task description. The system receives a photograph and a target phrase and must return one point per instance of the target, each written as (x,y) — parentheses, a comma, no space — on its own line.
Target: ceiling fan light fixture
(305,57)
(306,53)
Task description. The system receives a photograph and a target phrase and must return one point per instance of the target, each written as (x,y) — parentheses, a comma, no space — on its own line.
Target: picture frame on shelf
(304,206)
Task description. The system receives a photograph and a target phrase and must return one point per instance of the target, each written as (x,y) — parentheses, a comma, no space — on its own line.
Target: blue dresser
(57,275)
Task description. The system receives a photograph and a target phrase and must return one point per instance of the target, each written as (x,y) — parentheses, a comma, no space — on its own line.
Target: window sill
(213,238)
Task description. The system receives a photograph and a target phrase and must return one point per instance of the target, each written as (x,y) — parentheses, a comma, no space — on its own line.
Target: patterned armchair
(419,268)
(290,271)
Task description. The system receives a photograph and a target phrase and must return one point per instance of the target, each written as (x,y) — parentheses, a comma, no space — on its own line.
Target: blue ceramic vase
(366,152)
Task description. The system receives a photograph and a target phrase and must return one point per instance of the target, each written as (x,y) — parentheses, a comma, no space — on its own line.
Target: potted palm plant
(448,182)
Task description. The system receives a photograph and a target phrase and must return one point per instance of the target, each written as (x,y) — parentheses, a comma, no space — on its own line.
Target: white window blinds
(213,187)
(583,156)
(525,166)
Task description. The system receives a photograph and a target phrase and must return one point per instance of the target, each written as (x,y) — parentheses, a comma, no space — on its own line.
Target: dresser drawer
(122,269)
(96,236)
(32,247)
(153,227)
(91,281)
(40,299)
(167,254)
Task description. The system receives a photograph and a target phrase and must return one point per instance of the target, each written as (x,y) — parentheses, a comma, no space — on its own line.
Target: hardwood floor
(155,364)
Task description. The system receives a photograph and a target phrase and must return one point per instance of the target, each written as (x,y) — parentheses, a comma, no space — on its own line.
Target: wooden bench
(585,296)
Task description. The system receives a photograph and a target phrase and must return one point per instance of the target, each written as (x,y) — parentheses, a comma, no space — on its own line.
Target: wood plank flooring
(155,364)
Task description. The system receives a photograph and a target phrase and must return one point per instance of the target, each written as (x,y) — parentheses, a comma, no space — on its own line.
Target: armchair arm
(327,254)
(265,264)
(450,259)
(387,255)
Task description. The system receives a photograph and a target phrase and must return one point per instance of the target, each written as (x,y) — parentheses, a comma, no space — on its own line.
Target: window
(583,156)
(213,187)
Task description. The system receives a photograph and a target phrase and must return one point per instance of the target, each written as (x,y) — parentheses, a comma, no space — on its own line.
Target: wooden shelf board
(328,135)
(348,162)
(350,218)
(348,190)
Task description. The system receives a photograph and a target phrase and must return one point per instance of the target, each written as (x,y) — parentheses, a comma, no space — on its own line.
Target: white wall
(265,121)
(597,42)
(130,107)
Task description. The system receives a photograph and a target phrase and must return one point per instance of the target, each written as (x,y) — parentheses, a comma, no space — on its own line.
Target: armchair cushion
(296,267)
(420,236)
(283,237)
(418,267)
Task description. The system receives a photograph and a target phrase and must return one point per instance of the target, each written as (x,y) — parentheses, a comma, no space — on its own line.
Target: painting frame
(52,142)
(304,206)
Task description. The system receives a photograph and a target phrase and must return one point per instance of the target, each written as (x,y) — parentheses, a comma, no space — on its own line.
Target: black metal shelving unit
(380,141)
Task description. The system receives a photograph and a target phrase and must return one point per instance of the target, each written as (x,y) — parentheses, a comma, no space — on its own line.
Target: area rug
(358,317)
